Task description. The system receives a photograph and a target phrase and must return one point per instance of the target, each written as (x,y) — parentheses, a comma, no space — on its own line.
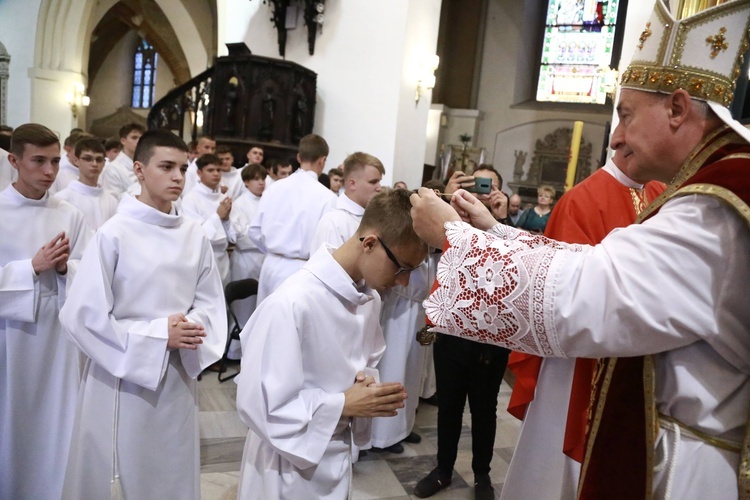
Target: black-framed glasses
(399,268)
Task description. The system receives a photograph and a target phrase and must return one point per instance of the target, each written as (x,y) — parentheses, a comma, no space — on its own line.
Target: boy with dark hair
(278,169)
(67,172)
(308,385)
(42,240)
(283,230)
(86,194)
(119,176)
(231,178)
(247,259)
(111,148)
(206,145)
(211,208)
(147,308)
(255,155)
(336,176)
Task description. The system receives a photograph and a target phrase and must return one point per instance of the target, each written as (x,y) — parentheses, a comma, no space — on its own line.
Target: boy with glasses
(86,194)
(308,387)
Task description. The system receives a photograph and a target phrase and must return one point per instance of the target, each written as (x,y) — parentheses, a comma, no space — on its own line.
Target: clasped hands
(429,214)
(366,398)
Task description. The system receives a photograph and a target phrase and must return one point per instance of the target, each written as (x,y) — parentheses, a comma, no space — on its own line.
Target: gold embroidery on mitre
(718,42)
(644,36)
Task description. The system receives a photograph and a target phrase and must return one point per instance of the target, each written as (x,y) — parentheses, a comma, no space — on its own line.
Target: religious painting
(578,49)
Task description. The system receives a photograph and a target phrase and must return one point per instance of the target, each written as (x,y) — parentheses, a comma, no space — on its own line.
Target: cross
(646,33)
(718,42)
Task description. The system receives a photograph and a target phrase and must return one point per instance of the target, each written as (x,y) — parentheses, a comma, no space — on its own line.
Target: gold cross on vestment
(718,42)
(646,33)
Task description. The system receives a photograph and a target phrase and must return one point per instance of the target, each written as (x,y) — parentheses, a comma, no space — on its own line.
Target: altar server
(42,239)
(147,308)
(302,389)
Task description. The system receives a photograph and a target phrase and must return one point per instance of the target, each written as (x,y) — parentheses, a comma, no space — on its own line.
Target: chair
(235,290)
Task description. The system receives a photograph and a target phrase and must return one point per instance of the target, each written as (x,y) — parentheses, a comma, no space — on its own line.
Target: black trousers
(466,368)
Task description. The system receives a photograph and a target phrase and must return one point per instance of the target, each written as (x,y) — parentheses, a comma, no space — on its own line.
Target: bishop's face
(649,146)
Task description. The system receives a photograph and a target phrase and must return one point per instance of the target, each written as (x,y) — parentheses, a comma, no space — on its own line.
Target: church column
(4,74)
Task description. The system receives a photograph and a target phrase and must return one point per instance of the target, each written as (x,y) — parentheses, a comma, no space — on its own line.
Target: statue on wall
(300,114)
(268,107)
(230,106)
(520,161)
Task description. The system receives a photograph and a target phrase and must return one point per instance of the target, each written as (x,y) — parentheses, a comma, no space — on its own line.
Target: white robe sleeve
(272,400)
(255,232)
(209,310)
(662,282)
(362,426)
(212,225)
(19,293)
(132,350)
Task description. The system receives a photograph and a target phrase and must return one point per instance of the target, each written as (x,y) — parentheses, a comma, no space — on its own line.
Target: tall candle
(575,145)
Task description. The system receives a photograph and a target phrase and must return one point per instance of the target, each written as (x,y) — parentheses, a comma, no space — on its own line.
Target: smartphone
(482,185)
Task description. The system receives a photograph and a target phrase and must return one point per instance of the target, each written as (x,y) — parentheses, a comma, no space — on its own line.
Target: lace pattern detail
(493,288)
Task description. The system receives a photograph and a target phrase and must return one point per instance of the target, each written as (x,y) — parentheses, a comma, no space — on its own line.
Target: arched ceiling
(147,19)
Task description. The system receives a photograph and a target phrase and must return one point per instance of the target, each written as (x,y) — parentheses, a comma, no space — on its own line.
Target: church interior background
(379,88)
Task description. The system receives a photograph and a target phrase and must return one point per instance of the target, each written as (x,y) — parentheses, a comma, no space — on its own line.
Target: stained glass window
(144,75)
(579,40)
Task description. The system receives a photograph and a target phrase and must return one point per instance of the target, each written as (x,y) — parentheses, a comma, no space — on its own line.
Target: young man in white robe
(147,308)
(8,174)
(308,383)
(85,193)
(206,145)
(288,214)
(68,171)
(119,177)
(208,206)
(246,259)
(231,178)
(362,176)
(42,239)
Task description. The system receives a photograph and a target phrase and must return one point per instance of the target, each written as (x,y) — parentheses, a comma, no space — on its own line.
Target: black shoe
(412,438)
(431,484)
(394,448)
(483,489)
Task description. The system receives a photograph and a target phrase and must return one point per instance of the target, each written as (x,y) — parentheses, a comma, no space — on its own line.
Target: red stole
(586,214)
(620,438)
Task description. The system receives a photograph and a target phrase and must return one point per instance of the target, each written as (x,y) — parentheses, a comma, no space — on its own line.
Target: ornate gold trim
(596,421)
(700,84)
(665,20)
(723,194)
(706,438)
(652,421)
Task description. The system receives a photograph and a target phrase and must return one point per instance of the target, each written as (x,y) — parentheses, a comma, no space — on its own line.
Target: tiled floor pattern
(377,476)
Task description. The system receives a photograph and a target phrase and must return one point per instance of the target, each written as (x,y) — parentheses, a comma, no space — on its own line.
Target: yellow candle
(575,145)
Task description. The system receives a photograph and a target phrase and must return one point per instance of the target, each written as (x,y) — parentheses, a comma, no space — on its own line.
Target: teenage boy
(119,177)
(336,176)
(362,175)
(255,155)
(278,169)
(284,230)
(308,386)
(86,194)
(67,172)
(231,178)
(211,208)
(147,308)
(42,238)
(206,145)
(112,149)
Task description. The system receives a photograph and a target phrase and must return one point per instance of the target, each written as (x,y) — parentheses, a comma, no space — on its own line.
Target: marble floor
(376,476)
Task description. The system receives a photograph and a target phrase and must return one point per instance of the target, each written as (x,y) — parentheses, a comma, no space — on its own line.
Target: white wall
(17,20)
(363,94)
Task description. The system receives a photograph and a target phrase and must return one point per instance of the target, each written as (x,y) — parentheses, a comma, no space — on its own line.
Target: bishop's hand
(473,211)
(429,214)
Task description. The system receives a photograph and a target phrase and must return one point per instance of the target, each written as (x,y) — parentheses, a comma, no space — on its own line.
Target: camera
(482,185)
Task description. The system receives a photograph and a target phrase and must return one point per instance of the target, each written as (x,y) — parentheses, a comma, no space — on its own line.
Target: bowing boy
(308,387)
(147,308)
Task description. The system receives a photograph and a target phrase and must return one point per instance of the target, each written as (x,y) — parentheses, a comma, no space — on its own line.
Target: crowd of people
(116,254)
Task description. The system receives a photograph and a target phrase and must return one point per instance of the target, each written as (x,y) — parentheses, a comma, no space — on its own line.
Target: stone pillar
(4,74)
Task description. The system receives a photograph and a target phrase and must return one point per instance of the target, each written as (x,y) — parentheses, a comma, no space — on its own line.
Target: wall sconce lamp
(77,98)
(427,79)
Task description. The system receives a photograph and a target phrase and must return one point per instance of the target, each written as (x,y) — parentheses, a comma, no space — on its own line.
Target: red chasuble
(585,214)
(620,442)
